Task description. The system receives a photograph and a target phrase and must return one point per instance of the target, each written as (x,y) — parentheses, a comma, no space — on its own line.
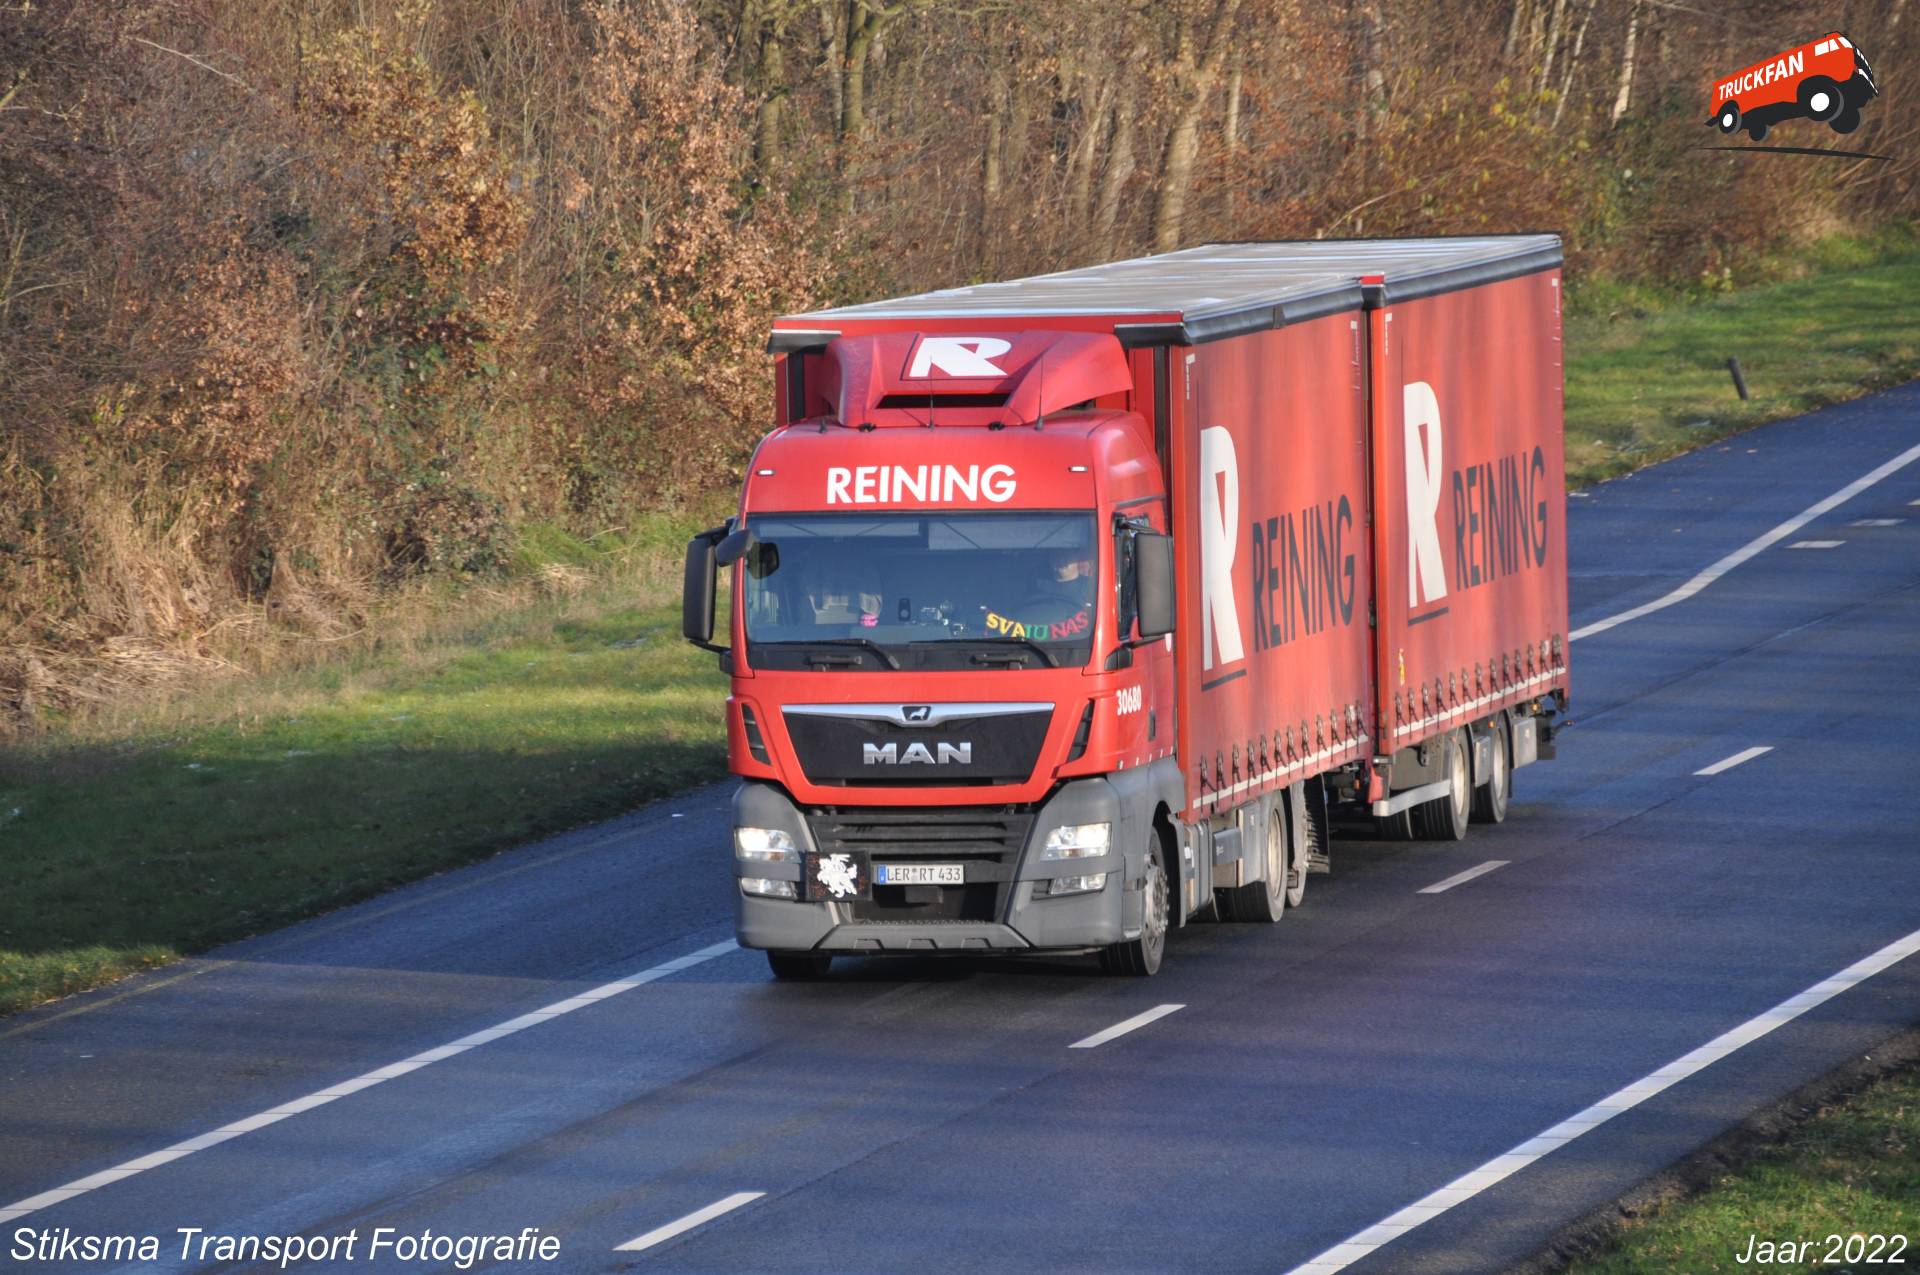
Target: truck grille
(987,839)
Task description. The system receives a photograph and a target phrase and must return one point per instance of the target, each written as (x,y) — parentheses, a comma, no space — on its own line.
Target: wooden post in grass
(1739,379)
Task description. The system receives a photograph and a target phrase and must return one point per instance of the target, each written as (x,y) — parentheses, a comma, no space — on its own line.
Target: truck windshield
(920,591)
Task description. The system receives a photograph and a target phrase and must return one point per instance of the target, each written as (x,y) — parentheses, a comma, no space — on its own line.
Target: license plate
(919,874)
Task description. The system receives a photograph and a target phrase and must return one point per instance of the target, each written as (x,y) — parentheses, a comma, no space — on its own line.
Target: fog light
(764,845)
(1070,885)
(1078,841)
(769,889)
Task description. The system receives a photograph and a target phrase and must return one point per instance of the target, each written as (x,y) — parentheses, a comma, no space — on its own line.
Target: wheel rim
(1277,880)
(1820,101)
(1457,777)
(1155,922)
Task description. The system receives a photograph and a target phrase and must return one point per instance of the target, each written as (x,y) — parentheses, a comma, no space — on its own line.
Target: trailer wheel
(1491,798)
(1139,957)
(1821,98)
(1445,817)
(799,967)
(1266,900)
(1729,118)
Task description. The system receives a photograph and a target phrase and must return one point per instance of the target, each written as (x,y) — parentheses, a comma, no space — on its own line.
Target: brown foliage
(297,301)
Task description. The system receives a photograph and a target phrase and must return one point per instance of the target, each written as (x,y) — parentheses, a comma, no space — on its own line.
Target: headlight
(771,889)
(1078,841)
(1071,885)
(765,845)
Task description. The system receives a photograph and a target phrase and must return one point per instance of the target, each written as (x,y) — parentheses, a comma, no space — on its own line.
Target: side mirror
(1153,583)
(697,588)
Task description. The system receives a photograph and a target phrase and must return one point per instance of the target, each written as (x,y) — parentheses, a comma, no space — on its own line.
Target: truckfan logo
(1827,81)
(941,753)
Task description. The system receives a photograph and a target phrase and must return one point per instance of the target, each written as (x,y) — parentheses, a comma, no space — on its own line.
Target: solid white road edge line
(1728,763)
(1501,1167)
(1121,1028)
(1461,878)
(699,1217)
(1752,547)
(320,1098)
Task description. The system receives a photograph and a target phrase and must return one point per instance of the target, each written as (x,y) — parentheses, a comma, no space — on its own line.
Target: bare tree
(1196,68)
(1623,96)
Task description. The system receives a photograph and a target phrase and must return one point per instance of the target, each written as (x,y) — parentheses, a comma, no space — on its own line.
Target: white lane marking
(1752,547)
(1502,1167)
(1876,522)
(1461,878)
(321,1097)
(1816,544)
(1739,758)
(699,1217)
(1121,1028)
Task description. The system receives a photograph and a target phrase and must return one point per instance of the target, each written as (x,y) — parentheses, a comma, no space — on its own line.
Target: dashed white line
(1752,547)
(392,1071)
(699,1217)
(1876,522)
(1461,878)
(1124,1026)
(1502,1167)
(1738,759)
(1816,544)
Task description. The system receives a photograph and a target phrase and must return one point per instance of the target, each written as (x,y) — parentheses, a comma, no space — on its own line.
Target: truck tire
(1445,817)
(1821,98)
(1846,121)
(1758,130)
(1728,120)
(1490,799)
(799,967)
(1265,900)
(1139,957)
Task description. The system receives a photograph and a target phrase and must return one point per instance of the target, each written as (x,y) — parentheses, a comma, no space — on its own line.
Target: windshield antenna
(1040,422)
(929,408)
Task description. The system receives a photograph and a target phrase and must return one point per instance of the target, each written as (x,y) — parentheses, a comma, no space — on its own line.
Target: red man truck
(1067,610)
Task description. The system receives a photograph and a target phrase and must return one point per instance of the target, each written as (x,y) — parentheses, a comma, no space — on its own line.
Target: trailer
(1070,610)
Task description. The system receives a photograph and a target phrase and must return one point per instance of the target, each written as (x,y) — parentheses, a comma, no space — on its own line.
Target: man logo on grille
(918,712)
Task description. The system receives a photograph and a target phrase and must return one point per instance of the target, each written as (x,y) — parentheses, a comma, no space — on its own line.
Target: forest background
(308,307)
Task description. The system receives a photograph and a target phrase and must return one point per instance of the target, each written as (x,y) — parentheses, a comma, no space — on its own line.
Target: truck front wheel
(1139,957)
(799,967)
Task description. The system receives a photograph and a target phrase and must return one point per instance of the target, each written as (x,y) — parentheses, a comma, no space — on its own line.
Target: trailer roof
(1218,290)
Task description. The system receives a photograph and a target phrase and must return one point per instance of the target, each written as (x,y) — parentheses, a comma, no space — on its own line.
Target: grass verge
(1647,375)
(145,832)
(1851,1169)
(164,832)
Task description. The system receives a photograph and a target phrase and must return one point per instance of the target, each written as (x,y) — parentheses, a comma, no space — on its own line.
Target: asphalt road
(1318,1077)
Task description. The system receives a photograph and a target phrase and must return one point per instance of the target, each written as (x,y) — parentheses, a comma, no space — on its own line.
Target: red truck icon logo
(1827,81)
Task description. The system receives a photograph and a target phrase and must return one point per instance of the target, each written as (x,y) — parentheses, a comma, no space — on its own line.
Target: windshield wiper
(865,644)
(982,657)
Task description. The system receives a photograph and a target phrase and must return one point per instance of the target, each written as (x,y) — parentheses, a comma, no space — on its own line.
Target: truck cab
(951,657)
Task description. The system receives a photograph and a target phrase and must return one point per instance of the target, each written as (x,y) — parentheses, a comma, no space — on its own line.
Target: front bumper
(1075,922)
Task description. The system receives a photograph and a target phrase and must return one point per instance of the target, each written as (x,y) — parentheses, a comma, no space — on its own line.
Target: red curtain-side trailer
(1069,609)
